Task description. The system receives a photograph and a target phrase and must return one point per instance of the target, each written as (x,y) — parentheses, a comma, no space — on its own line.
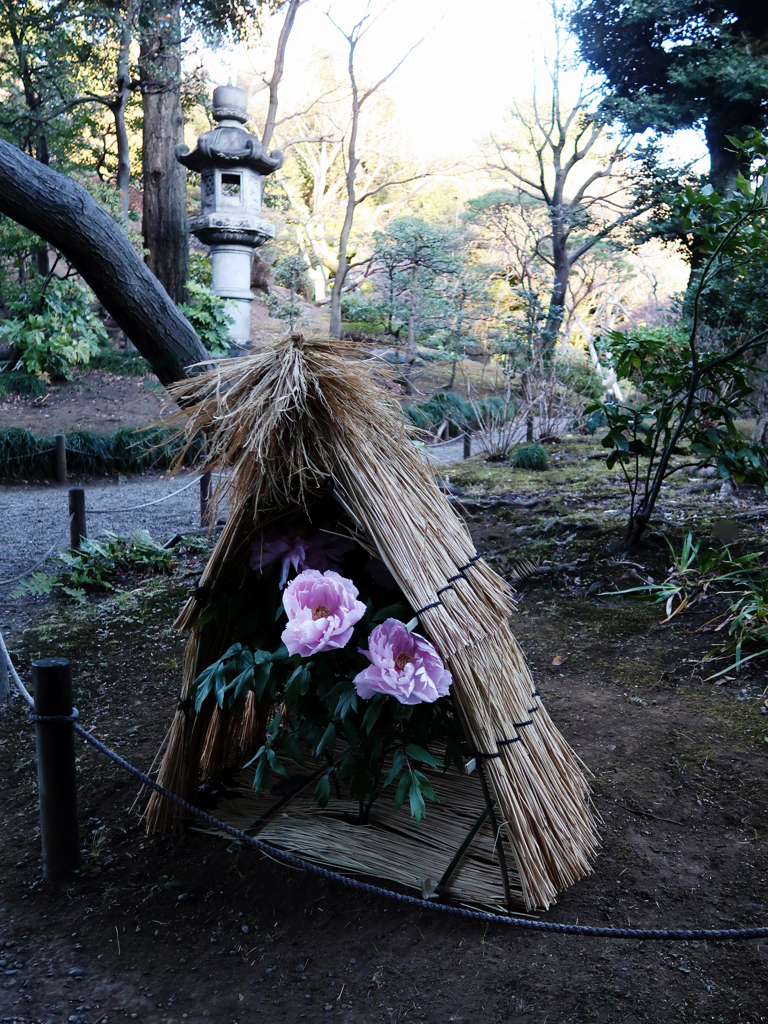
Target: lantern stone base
(231,279)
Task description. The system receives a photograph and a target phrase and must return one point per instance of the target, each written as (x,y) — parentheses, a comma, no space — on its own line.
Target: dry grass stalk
(287,422)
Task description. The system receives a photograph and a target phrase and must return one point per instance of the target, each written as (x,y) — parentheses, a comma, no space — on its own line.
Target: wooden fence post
(205,499)
(467,443)
(56,772)
(60,441)
(77,530)
(5,683)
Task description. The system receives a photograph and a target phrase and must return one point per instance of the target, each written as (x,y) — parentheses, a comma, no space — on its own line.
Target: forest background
(578,199)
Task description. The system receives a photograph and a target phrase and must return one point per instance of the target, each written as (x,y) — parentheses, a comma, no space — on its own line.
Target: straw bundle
(287,423)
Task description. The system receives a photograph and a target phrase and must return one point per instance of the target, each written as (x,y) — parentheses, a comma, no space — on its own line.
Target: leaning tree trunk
(63,213)
(165,182)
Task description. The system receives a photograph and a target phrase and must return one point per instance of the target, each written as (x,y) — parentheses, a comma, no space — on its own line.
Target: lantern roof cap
(230,102)
(228,144)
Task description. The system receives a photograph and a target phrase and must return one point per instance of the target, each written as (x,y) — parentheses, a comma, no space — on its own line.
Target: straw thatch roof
(301,419)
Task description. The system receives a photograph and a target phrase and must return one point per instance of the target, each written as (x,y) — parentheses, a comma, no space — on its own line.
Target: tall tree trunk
(341,272)
(277,71)
(724,161)
(165,183)
(562,269)
(122,95)
(410,345)
(346,228)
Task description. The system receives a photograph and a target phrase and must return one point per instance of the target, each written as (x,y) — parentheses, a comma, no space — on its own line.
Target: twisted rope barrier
(283,857)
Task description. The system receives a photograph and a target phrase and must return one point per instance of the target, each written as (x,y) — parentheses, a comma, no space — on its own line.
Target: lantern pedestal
(231,266)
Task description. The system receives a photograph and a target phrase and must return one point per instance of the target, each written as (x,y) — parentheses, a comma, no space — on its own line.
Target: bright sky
(453,90)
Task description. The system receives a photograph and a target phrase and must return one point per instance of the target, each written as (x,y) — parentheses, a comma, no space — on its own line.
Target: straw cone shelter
(310,418)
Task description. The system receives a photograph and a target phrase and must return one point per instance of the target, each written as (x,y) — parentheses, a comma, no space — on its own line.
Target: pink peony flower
(318,551)
(322,609)
(403,665)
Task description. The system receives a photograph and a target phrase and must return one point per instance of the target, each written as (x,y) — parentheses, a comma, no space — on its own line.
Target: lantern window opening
(232,187)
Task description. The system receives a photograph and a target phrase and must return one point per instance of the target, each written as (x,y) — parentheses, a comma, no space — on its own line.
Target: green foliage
(19,382)
(575,372)
(123,364)
(414,266)
(289,310)
(200,269)
(24,454)
(698,573)
(39,584)
(290,271)
(208,315)
(54,56)
(669,65)
(448,405)
(363,309)
(361,330)
(690,383)
(531,457)
(52,326)
(673,64)
(96,564)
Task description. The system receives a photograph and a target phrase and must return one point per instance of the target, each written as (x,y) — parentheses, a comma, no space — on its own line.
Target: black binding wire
(470,563)
(427,607)
(449,585)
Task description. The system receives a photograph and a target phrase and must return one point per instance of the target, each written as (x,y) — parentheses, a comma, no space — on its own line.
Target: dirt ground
(105,402)
(192,928)
(92,400)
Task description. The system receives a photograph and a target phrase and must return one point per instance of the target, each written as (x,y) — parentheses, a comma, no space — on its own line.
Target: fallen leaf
(559,659)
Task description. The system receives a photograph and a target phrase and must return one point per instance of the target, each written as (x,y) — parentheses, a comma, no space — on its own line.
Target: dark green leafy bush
(531,457)
(97,563)
(19,382)
(208,315)
(124,364)
(24,454)
(52,326)
(447,405)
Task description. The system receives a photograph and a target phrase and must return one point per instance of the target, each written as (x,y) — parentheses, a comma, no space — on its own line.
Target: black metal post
(56,773)
(467,443)
(77,531)
(60,441)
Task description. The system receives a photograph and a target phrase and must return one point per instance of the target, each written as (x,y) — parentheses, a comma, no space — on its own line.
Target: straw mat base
(392,846)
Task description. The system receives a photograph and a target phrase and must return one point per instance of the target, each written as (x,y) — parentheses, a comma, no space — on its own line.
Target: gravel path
(445,452)
(36,517)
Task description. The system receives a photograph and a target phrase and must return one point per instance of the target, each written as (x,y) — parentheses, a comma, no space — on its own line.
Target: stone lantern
(232,165)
